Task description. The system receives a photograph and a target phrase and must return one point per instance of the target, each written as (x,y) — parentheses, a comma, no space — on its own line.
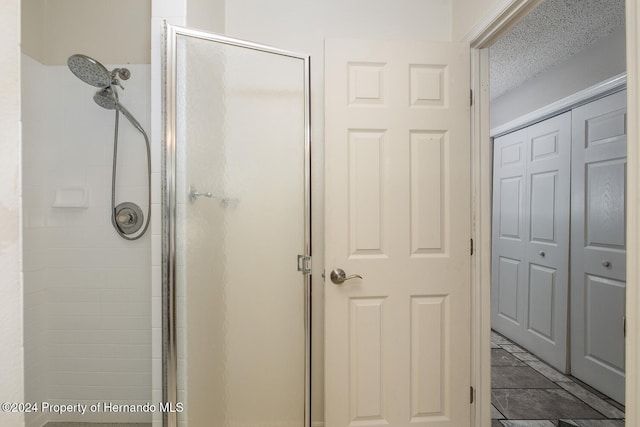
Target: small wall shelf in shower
(71,197)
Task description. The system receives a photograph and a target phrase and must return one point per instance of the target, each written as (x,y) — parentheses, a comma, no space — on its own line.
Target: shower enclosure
(236,237)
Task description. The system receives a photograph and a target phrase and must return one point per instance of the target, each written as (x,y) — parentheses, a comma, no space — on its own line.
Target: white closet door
(598,244)
(508,259)
(548,196)
(532,197)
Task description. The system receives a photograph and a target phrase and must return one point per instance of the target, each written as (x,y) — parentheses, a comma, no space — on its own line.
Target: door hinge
(304,264)
(471,394)
(624,326)
(471,97)
(471,246)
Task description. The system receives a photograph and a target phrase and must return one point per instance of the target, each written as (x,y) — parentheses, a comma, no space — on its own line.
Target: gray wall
(598,62)
(113,31)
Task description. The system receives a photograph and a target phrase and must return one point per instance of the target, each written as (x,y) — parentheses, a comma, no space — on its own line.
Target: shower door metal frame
(169,110)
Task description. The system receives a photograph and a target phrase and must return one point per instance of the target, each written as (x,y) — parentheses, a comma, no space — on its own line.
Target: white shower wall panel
(87,291)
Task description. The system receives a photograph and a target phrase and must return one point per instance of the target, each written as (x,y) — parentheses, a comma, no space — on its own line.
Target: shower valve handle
(125,218)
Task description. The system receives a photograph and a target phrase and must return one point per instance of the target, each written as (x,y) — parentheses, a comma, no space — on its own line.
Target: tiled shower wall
(87,291)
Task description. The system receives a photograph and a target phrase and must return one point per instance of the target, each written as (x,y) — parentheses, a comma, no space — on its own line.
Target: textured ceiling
(553,32)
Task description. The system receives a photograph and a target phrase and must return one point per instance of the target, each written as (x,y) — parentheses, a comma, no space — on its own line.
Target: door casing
(503,15)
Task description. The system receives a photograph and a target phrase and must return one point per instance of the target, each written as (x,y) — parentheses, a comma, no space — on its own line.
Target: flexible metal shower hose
(113,180)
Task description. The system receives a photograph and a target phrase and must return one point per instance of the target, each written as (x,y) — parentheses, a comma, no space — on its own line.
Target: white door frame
(499,19)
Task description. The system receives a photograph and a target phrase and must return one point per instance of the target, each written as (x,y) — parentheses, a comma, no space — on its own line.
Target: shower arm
(123,73)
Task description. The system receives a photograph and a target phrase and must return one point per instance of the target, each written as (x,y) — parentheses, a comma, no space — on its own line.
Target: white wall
(87,291)
(602,60)
(11,362)
(206,15)
(465,14)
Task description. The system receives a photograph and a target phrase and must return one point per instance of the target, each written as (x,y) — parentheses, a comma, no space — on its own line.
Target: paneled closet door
(530,269)
(547,251)
(598,247)
(509,218)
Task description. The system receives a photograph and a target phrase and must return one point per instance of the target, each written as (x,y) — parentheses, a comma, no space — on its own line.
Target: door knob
(338,276)
(606,264)
(542,254)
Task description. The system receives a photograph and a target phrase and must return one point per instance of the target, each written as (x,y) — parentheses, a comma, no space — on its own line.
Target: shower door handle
(338,276)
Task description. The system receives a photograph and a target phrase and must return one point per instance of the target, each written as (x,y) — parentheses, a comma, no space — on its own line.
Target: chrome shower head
(106,98)
(89,70)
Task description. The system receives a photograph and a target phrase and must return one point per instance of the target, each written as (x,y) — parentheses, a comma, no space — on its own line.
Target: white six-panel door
(398,214)
(598,248)
(530,270)
(508,283)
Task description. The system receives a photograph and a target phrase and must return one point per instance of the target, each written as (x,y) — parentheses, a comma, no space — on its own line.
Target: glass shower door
(237,218)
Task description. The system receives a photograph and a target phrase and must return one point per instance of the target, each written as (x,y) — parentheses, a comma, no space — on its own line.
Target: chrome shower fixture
(127,218)
(89,70)
(108,98)
(94,73)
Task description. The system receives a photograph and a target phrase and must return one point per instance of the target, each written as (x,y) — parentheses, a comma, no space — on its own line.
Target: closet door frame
(480,37)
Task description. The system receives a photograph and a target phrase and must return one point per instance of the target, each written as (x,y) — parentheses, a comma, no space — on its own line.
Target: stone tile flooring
(527,392)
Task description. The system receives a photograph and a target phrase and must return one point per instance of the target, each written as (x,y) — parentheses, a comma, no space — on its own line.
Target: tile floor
(529,393)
